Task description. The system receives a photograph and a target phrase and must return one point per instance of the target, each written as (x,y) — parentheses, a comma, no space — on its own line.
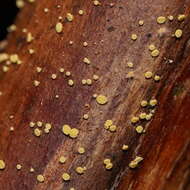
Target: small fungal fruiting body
(153,102)
(36,83)
(155,53)
(108,164)
(96,2)
(148,75)
(133,37)
(157,78)
(70,82)
(37,132)
(161,20)
(134,163)
(2,165)
(72,132)
(107,124)
(53,76)
(139,129)
(18,167)
(59,27)
(101,99)
(87,61)
(181,17)
(125,147)
(81,12)
(69,17)
(62,160)
(40,178)
(151,47)
(81,150)
(66,177)
(85,116)
(141,22)
(178,33)
(134,119)
(144,103)
(80,170)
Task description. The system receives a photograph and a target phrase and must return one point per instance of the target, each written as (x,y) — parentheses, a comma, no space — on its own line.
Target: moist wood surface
(165,146)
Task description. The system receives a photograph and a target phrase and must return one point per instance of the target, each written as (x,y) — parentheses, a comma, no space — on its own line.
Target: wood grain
(165,145)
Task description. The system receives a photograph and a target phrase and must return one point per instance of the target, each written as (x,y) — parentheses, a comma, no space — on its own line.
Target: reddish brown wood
(166,144)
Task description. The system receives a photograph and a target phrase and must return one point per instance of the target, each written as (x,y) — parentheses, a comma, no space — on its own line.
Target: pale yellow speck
(85,44)
(2,165)
(84,81)
(148,75)
(68,73)
(39,123)
(142,116)
(59,27)
(40,178)
(170,18)
(107,124)
(89,82)
(107,161)
(81,12)
(95,77)
(85,116)
(96,2)
(139,129)
(20,4)
(70,17)
(38,69)
(113,128)
(157,78)
(61,70)
(153,102)
(133,37)
(144,103)
(37,132)
(62,159)
(80,170)
(101,99)
(134,163)
(151,47)
(125,147)
(178,33)
(141,22)
(86,60)
(36,83)
(74,133)
(31,170)
(53,76)
(134,119)
(81,150)
(31,51)
(70,82)
(29,37)
(18,167)
(66,129)
(46,10)
(109,166)
(66,177)
(181,17)
(31,124)
(155,53)
(161,20)
(130,64)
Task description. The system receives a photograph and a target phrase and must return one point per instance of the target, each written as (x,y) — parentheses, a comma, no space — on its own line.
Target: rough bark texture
(165,146)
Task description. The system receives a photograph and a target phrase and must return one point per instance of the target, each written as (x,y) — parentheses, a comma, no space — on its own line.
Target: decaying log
(107,28)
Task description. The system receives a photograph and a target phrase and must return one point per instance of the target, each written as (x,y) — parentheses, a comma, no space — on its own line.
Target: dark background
(8,12)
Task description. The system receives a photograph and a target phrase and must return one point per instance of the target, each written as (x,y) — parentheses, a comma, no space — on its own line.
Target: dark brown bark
(165,146)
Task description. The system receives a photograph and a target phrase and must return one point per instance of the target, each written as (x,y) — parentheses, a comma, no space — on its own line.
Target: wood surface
(165,146)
